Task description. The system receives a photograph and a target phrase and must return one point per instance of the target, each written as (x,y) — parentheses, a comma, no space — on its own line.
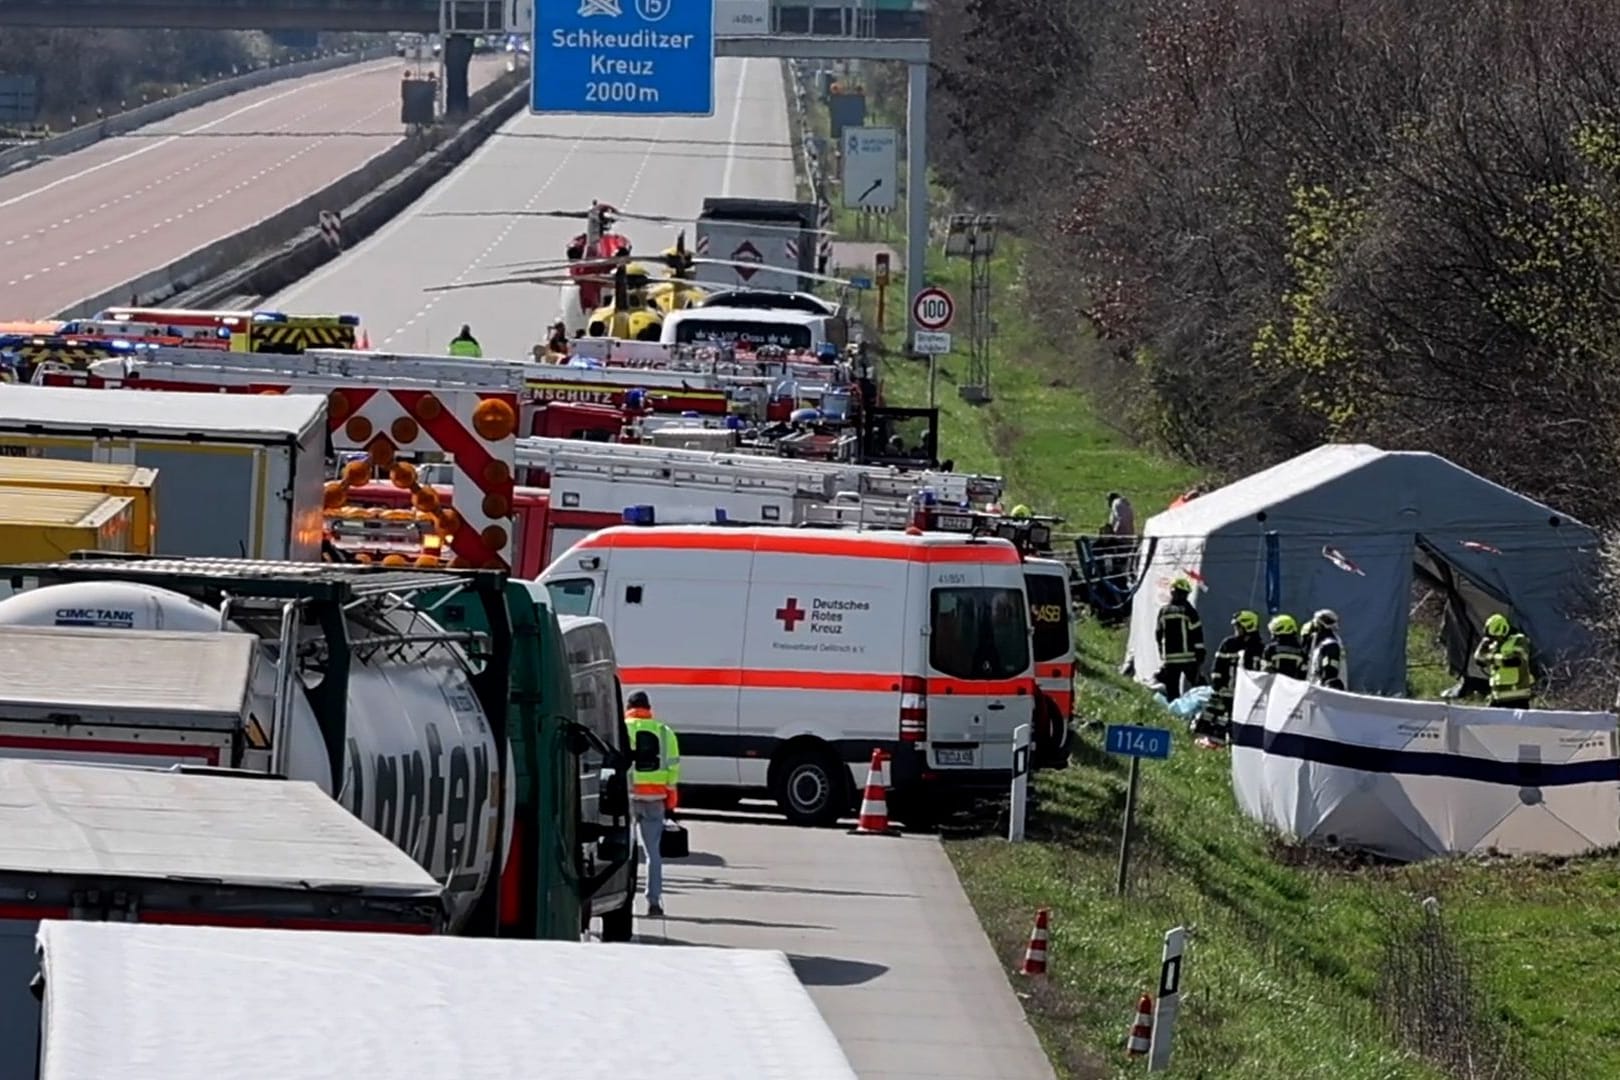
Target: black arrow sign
(874,186)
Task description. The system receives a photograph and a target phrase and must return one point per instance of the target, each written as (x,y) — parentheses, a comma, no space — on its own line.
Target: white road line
(159,143)
(731,140)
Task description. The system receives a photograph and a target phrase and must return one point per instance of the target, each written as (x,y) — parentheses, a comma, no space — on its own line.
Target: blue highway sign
(623,57)
(860,283)
(1142,742)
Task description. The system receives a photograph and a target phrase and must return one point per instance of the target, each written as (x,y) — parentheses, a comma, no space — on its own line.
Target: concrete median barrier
(278,250)
(21,157)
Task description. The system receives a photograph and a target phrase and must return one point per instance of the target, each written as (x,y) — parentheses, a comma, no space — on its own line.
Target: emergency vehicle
(238,331)
(580,488)
(785,656)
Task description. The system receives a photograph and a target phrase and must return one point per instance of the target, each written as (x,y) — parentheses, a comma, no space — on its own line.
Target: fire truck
(698,398)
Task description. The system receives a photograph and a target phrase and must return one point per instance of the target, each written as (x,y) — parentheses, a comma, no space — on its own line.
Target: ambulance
(784,656)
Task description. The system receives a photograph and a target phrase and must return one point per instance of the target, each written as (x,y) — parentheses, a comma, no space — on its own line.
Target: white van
(783,656)
(788,329)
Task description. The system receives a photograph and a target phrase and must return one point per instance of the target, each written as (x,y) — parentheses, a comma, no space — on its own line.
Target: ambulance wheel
(811,786)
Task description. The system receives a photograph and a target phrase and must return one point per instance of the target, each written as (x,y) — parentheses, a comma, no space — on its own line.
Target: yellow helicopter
(639,301)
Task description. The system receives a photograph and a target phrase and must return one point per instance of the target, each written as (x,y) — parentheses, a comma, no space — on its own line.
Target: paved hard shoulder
(880,933)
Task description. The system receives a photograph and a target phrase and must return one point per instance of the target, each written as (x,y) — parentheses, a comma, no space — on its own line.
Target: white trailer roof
(202,678)
(259,416)
(131,1002)
(119,821)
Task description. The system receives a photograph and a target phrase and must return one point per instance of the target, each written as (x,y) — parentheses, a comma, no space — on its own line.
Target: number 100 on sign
(933,309)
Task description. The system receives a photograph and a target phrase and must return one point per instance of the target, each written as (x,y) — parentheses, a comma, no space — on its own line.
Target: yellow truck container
(133,482)
(47,524)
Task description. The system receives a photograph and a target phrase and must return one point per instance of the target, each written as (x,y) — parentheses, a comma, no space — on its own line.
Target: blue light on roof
(638,515)
(720,515)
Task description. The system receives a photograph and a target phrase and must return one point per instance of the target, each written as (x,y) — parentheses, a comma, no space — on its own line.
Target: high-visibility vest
(655,754)
(1511,678)
(465,347)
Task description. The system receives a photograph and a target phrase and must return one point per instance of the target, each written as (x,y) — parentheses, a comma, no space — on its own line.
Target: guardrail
(21,157)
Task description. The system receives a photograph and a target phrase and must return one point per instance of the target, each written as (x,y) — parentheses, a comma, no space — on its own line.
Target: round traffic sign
(933,309)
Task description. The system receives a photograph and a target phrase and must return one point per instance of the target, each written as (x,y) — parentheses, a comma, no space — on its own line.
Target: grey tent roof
(1381,511)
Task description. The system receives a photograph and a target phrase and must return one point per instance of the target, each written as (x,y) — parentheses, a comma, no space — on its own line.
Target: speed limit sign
(933,309)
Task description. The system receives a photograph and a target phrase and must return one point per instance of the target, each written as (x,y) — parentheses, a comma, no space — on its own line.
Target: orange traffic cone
(365,341)
(874,804)
(1137,1042)
(1035,952)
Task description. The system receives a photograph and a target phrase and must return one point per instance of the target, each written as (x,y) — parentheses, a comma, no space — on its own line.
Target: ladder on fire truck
(845,484)
(378,368)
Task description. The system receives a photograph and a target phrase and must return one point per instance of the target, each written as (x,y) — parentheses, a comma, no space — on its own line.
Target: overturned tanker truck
(436,706)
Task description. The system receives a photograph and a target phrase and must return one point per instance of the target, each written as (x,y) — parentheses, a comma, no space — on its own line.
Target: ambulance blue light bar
(638,515)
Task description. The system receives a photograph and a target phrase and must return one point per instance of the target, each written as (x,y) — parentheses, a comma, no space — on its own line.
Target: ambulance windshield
(571,597)
(979,633)
(1048,614)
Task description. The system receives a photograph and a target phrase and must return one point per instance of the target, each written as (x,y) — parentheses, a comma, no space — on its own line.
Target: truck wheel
(812,787)
(620,924)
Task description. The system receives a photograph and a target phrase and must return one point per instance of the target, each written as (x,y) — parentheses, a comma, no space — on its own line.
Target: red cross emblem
(790,615)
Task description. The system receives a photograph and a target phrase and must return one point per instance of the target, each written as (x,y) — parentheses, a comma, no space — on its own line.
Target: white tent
(1348,527)
(1417,779)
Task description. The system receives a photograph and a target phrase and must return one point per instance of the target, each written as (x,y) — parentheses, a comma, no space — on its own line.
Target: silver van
(599,705)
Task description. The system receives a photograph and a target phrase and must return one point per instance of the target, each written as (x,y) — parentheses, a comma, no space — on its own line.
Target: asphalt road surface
(879,932)
(79,225)
(651,166)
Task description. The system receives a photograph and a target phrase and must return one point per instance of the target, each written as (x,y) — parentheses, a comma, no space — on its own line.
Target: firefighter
(1284,653)
(1504,655)
(1239,652)
(1180,637)
(1324,650)
(465,345)
(655,781)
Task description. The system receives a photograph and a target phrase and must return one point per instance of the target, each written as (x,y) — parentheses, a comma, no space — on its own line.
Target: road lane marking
(731,140)
(148,148)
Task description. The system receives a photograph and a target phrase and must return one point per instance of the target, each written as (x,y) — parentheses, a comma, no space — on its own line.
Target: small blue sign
(1148,742)
(623,57)
(860,283)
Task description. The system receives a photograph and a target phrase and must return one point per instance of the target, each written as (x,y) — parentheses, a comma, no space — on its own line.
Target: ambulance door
(978,663)
(674,614)
(825,634)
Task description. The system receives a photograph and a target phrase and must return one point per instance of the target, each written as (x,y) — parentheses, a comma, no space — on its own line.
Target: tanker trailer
(403,720)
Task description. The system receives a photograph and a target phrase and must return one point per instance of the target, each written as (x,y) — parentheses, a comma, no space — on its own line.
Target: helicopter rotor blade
(487,283)
(659,219)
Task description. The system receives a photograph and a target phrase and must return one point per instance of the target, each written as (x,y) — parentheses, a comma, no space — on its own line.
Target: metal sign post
(623,58)
(1164,1012)
(1019,804)
(1135,743)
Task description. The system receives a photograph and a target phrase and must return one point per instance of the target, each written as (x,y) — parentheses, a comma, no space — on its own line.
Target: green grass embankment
(1287,974)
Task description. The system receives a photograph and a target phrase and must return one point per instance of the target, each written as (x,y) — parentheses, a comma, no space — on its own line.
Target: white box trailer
(239,475)
(100,843)
(132,1002)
